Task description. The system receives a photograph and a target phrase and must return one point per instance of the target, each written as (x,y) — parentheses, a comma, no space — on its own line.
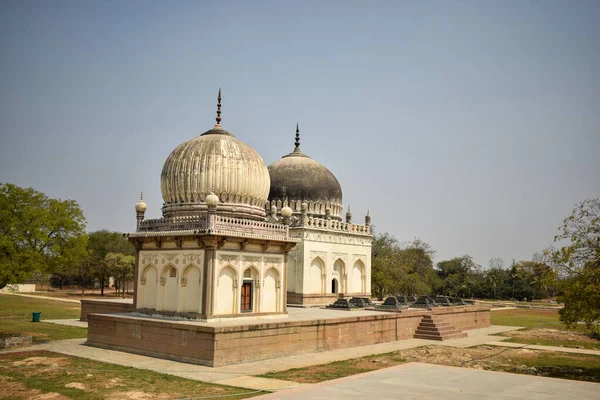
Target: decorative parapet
(212,224)
(174,223)
(334,225)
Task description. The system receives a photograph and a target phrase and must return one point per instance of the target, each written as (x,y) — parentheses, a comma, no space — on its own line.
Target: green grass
(337,369)
(15,318)
(46,372)
(528,318)
(566,366)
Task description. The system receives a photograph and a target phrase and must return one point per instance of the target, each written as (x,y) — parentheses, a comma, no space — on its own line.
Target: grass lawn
(15,317)
(47,375)
(534,362)
(527,318)
(338,369)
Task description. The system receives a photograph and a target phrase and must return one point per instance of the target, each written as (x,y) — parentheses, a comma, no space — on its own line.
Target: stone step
(440,337)
(423,323)
(444,330)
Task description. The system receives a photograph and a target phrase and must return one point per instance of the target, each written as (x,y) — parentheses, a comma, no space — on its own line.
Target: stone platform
(231,342)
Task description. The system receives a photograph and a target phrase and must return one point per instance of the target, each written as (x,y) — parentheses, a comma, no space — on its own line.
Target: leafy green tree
(121,267)
(457,276)
(397,268)
(100,244)
(34,230)
(579,262)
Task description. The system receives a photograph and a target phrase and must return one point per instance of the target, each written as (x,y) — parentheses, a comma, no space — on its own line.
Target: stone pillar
(208,274)
(136,272)
(283,288)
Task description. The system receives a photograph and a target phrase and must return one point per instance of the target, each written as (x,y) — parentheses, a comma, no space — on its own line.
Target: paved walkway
(428,381)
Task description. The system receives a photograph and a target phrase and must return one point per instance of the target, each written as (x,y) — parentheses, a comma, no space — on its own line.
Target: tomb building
(212,255)
(333,257)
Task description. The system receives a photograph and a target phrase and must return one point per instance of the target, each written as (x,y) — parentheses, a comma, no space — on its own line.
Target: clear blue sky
(473,125)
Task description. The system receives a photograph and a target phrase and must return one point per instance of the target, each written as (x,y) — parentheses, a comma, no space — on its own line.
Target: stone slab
(432,382)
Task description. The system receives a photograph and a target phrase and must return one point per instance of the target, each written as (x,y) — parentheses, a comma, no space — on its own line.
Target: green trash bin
(36,317)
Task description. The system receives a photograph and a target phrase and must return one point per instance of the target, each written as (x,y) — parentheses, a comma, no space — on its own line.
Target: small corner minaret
(140,210)
(348,216)
(368,218)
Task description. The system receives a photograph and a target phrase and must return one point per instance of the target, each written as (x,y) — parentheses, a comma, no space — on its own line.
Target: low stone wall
(19,288)
(15,342)
(104,307)
(222,345)
(310,300)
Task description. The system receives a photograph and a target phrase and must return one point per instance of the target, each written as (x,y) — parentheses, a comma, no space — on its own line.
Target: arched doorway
(334,286)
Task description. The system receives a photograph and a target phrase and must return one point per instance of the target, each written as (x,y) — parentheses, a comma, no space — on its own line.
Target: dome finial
(218,125)
(297,144)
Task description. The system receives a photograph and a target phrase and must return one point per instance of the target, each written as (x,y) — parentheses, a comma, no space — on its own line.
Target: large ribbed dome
(298,178)
(215,161)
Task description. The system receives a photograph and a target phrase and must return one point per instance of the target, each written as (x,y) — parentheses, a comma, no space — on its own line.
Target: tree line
(569,273)
(43,240)
(409,269)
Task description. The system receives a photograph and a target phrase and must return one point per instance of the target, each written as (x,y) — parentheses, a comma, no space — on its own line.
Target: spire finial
(297,144)
(219,109)
(141,195)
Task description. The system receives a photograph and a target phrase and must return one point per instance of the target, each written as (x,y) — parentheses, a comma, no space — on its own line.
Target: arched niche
(316,276)
(358,277)
(226,285)
(169,282)
(271,291)
(191,285)
(148,286)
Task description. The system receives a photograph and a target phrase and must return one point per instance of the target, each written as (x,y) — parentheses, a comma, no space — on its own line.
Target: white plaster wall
(332,247)
(224,300)
(149,291)
(259,263)
(192,292)
(270,301)
(168,297)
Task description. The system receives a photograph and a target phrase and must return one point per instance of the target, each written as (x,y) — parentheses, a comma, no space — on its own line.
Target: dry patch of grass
(45,375)
(554,337)
(338,369)
(534,362)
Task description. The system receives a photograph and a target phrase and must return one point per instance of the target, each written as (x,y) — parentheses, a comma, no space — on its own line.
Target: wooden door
(247,296)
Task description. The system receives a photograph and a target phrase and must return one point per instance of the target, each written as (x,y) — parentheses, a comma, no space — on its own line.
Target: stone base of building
(104,307)
(223,344)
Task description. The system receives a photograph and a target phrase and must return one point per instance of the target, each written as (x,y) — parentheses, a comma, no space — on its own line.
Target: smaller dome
(286,212)
(212,200)
(140,206)
(296,178)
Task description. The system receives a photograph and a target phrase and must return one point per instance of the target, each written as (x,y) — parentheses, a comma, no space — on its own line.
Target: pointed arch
(358,277)
(227,282)
(148,285)
(316,276)
(191,285)
(339,271)
(169,281)
(271,291)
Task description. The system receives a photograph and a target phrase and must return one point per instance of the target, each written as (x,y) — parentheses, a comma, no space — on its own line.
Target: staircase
(435,328)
